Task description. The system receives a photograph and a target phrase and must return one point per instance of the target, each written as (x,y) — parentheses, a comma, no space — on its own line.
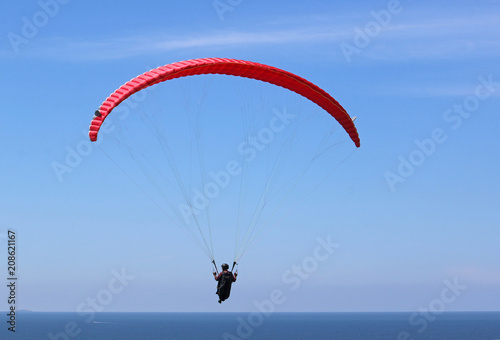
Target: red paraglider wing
(231,67)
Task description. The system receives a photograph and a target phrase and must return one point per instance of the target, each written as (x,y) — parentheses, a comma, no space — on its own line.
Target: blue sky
(411,213)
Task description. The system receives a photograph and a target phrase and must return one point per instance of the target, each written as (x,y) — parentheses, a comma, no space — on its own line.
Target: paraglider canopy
(232,67)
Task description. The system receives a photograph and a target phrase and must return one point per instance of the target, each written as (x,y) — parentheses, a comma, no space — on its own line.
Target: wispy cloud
(126,47)
(436,38)
(422,38)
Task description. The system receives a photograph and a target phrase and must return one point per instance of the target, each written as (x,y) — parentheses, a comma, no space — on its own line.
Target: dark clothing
(224,279)
(225,271)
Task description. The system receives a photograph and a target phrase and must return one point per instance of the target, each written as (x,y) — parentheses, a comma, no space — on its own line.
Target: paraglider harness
(225,282)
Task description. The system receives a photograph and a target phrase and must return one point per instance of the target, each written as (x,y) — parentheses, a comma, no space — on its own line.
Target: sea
(235,326)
